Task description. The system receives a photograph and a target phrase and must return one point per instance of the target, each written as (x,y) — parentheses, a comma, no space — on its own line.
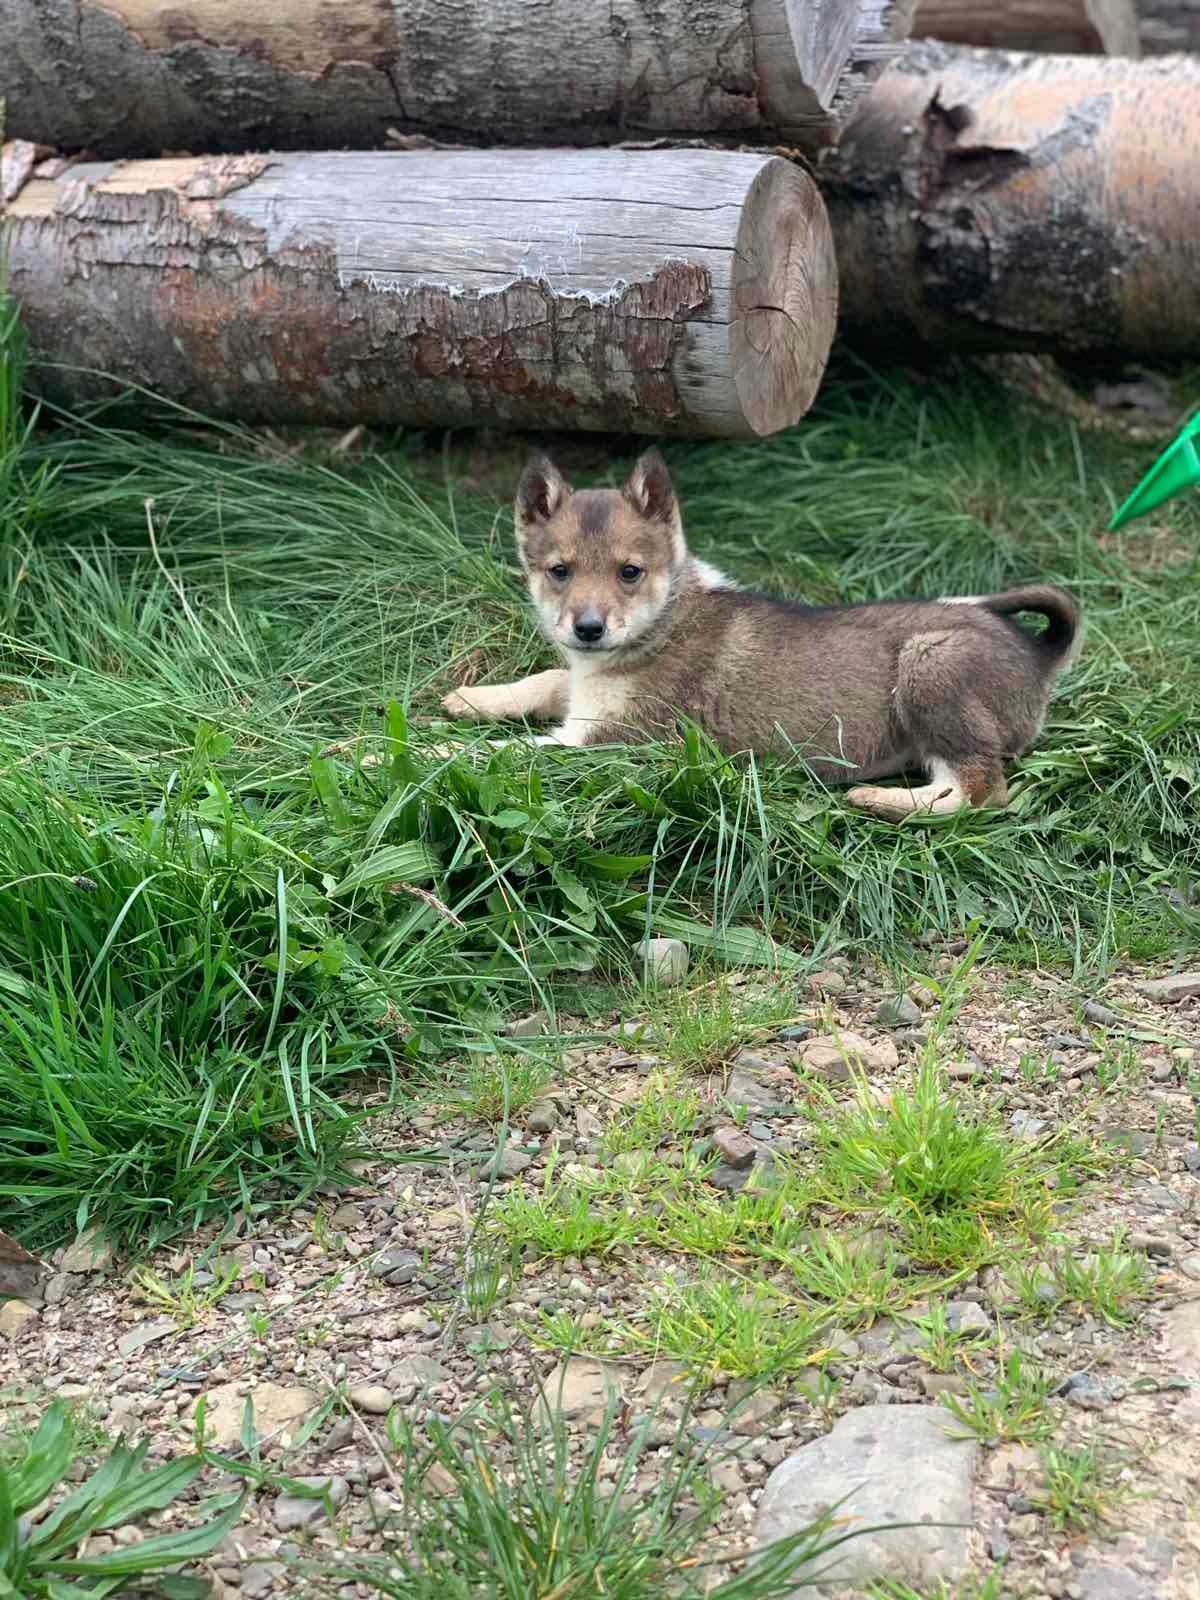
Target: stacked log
(134,78)
(673,291)
(1070,27)
(980,200)
(989,201)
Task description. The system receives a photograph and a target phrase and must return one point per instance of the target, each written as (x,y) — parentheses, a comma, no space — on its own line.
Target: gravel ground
(369,1293)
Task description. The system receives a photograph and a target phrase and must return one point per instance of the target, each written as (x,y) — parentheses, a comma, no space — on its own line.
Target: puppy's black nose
(589,627)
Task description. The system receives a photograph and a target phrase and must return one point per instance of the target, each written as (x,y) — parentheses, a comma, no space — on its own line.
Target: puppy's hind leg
(541,697)
(950,788)
(959,738)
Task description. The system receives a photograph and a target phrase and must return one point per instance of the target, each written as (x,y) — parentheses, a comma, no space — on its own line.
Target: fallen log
(1169,26)
(673,291)
(132,77)
(1072,27)
(988,201)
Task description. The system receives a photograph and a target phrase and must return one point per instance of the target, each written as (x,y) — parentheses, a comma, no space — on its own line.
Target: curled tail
(1062,614)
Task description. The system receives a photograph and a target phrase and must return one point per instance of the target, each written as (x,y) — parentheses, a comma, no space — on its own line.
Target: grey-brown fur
(955,688)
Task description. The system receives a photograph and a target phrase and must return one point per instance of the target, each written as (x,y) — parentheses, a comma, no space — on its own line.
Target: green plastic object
(1178,468)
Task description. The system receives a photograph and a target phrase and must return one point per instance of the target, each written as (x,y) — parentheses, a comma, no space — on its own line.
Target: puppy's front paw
(461,709)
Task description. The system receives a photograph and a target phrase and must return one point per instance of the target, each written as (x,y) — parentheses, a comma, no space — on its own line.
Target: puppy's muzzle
(589,627)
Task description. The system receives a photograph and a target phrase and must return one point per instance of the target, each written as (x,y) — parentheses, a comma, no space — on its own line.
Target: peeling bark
(131,77)
(695,294)
(988,201)
(1072,27)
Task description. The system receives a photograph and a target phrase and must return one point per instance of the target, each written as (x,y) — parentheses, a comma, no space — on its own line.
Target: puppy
(952,688)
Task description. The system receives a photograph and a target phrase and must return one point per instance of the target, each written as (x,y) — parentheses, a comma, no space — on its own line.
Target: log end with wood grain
(659,292)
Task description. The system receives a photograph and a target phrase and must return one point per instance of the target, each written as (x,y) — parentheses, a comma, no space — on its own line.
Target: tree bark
(1074,27)
(988,201)
(132,77)
(674,291)
(1169,26)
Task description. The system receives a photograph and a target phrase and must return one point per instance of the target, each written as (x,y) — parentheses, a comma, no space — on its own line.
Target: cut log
(674,291)
(132,77)
(1169,26)
(1073,27)
(988,201)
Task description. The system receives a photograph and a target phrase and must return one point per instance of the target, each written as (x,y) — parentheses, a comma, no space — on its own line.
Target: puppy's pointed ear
(649,489)
(541,491)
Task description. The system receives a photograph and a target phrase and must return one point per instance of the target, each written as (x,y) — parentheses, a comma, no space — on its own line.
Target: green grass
(1081,1488)
(1108,1282)
(37,1562)
(521,1513)
(952,1181)
(1014,1407)
(239,881)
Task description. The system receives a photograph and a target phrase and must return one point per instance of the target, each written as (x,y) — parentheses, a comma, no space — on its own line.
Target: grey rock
(145,1333)
(578,1387)
(745,1090)
(88,1253)
(1152,1244)
(1135,1140)
(796,1032)
(259,1578)
(881,1465)
(542,1117)
(900,1012)
(966,1316)
(372,1398)
(57,1287)
(753,1409)
(508,1163)
(998,1547)
(734,1146)
(1083,1390)
(1171,990)
(1026,1126)
(1190,1265)
(1162,1198)
(1191,1160)
(665,960)
(1182,1328)
(826,983)
(396,1264)
(529,1027)
(835,1057)
(291,1511)
(862,1388)
(347,1216)
(731,1179)
(415,1374)
(1093,1011)
(16,1315)
(1099,1581)
(939,1383)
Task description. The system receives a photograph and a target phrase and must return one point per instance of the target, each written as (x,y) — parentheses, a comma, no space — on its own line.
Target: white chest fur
(595,698)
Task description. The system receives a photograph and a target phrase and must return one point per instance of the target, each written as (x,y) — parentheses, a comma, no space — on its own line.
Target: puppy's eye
(560,572)
(630,573)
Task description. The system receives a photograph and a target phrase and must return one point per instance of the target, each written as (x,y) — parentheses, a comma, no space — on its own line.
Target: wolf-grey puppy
(952,688)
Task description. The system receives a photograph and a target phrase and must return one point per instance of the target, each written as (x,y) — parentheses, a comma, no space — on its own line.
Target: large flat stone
(881,1466)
